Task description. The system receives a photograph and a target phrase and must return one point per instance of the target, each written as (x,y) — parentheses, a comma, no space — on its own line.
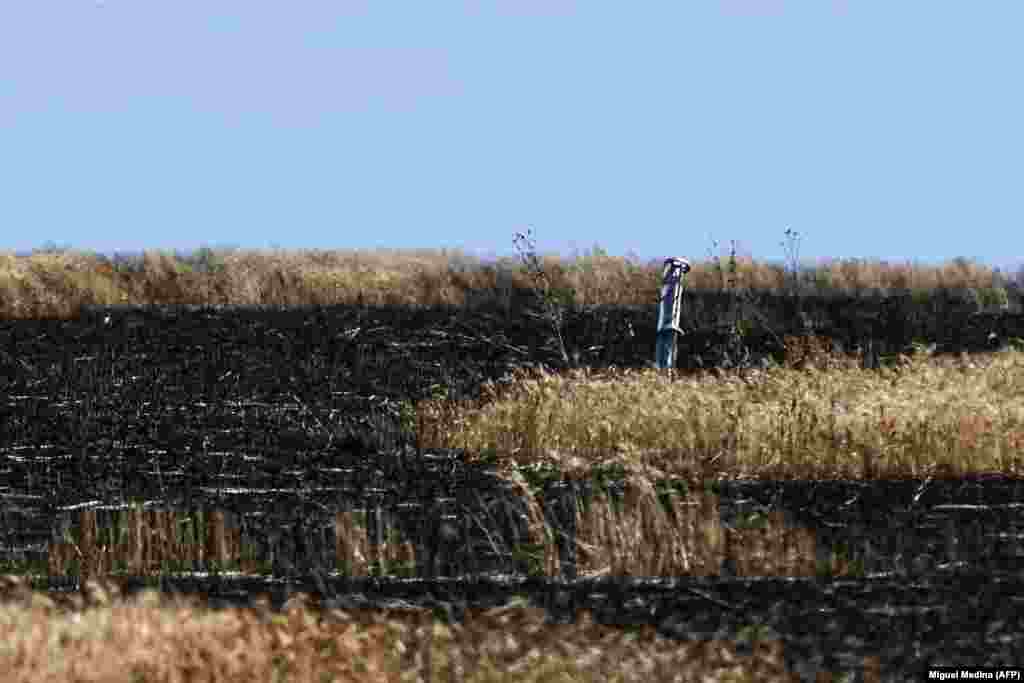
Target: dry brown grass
(57,284)
(633,536)
(149,639)
(145,640)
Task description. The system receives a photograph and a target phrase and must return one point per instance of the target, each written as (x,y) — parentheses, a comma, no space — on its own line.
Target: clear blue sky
(875,129)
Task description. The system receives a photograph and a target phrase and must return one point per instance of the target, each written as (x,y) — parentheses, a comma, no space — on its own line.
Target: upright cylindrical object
(669,306)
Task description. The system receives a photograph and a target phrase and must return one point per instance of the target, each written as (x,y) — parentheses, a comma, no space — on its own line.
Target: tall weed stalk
(553,299)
